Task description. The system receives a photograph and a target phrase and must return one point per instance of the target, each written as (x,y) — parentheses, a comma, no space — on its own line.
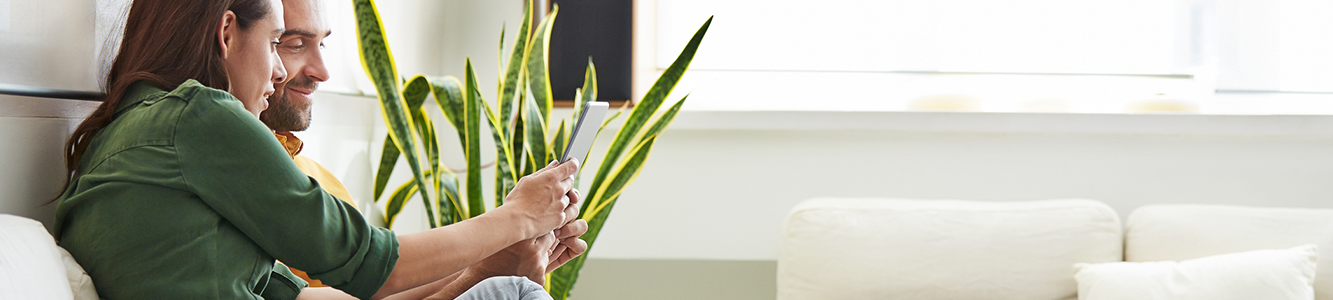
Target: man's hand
(528,258)
(570,246)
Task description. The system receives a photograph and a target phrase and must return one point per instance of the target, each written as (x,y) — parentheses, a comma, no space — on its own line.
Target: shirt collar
(289,142)
(138,92)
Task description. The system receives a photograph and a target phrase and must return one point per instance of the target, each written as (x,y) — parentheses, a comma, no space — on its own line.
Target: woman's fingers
(571,213)
(545,196)
(574,196)
(547,167)
(566,169)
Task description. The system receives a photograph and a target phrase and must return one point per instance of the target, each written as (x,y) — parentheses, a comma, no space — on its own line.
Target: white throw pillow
(1176,232)
(1281,274)
(30,264)
(79,282)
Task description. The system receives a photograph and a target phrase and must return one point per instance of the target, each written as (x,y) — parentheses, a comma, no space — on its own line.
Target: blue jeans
(505,288)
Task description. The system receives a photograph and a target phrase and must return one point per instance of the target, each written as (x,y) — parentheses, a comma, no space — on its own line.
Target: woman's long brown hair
(166,42)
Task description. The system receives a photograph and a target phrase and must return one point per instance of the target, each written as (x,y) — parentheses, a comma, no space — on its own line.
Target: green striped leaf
(504,161)
(664,120)
(415,92)
(625,173)
(645,108)
(558,143)
(614,188)
(613,117)
(472,145)
(539,80)
(535,126)
(499,59)
(449,95)
(451,208)
(589,91)
(377,60)
(388,159)
(513,79)
(519,140)
(563,279)
(396,201)
(585,95)
(449,214)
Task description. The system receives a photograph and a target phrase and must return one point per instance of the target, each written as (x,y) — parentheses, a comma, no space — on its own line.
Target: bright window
(1098,56)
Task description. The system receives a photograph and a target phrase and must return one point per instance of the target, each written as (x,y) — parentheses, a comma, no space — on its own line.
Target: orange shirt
(313,169)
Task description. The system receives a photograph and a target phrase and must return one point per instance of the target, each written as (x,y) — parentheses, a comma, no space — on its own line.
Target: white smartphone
(585,130)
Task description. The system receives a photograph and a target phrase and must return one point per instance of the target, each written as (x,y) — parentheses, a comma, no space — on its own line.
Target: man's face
(299,47)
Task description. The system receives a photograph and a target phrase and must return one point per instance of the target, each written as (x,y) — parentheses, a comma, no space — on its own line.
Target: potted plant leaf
(518,121)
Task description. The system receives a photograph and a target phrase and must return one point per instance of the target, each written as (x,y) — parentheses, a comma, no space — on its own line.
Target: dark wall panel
(598,28)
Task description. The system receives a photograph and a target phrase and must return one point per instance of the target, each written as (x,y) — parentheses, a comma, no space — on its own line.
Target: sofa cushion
(1186,231)
(30,262)
(79,282)
(942,249)
(1275,274)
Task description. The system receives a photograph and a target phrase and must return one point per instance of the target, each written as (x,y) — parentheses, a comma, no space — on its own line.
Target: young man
(289,110)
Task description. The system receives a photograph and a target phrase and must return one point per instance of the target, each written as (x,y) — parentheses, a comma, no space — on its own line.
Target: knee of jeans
(522,285)
(504,280)
(516,281)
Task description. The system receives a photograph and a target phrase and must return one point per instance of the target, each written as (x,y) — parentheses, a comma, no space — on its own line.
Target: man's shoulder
(310,166)
(324,177)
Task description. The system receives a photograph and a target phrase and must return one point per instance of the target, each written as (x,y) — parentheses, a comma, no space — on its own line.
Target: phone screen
(585,130)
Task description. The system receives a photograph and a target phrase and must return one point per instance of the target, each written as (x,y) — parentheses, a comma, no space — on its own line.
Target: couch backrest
(1186,231)
(942,249)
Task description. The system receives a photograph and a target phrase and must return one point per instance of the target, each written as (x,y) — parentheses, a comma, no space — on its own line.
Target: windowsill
(995,122)
(1041,123)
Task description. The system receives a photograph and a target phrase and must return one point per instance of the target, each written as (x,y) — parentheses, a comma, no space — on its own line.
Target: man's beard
(286,115)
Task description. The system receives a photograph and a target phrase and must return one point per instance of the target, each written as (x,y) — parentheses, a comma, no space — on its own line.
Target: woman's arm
(234,165)
(538,204)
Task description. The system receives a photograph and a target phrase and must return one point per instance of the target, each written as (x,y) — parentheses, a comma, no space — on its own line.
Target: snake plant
(519,124)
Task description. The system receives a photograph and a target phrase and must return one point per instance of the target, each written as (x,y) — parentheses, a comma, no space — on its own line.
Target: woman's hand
(544,199)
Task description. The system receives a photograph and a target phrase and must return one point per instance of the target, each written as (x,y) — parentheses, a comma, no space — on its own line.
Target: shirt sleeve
(282,284)
(233,163)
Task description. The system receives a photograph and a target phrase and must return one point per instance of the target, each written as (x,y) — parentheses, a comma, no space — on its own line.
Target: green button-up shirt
(186,195)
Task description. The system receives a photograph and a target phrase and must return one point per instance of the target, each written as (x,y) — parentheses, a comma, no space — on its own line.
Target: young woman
(177,191)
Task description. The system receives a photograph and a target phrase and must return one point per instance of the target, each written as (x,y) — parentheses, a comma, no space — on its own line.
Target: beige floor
(606,279)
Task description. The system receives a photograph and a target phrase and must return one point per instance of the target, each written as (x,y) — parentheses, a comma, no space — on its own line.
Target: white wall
(723,194)
(718,184)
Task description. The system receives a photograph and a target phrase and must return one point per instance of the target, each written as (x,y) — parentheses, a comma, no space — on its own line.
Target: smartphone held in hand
(585,130)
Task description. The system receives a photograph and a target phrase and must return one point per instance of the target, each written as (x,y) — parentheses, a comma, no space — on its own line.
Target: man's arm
(500,264)
(532,258)
(456,287)
(427,290)
(420,292)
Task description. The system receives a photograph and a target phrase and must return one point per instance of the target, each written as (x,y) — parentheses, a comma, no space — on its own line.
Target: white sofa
(838,248)
(32,266)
